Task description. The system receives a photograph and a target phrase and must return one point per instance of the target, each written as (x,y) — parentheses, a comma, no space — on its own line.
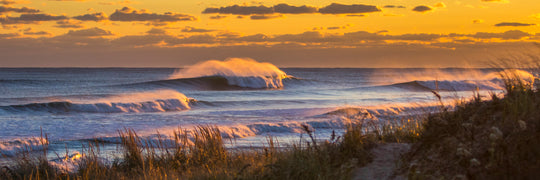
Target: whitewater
(246,99)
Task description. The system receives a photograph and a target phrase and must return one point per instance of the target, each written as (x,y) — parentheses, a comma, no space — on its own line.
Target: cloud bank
(130,14)
(334,8)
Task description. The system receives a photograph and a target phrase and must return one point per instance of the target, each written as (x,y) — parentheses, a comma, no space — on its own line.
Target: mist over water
(246,99)
(240,72)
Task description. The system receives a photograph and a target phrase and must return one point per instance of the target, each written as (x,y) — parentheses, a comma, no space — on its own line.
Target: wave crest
(243,72)
(156,101)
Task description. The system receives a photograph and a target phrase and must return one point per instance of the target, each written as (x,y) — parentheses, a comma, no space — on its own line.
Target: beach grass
(201,154)
(485,138)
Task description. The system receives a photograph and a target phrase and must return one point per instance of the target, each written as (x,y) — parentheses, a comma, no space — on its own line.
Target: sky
(295,33)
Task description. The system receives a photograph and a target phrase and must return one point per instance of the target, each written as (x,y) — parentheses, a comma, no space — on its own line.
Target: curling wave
(246,73)
(157,101)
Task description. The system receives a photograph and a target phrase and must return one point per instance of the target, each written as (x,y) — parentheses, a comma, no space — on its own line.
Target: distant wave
(157,101)
(465,85)
(458,81)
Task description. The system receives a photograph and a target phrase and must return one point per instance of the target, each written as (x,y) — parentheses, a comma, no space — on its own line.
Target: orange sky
(347,33)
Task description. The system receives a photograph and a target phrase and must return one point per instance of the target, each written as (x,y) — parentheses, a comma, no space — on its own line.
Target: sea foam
(155,101)
(241,72)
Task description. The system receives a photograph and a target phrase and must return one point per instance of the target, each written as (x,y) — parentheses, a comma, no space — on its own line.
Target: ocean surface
(73,105)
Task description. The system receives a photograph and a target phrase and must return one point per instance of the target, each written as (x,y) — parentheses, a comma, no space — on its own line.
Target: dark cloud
(30,18)
(393,6)
(513,24)
(240,10)
(100,16)
(91,32)
(129,14)
(336,8)
(40,17)
(40,33)
(8,2)
(333,27)
(264,16)
(422,8)
(9,35)
(217,17)
(288,9)
(283,8)
(156,23)
(197,30)
(4,9)
(356,15)
(66,23)
(478,21)
(512,34)
(156,31)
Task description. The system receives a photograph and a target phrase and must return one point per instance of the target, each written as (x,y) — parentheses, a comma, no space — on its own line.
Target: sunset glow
(346,33)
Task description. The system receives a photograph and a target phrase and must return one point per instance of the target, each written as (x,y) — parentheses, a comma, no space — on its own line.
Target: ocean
(247,100)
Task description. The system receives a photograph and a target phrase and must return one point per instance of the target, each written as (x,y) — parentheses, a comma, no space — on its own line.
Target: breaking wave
(15,146)
(463,82)
(246,73)
(156,101)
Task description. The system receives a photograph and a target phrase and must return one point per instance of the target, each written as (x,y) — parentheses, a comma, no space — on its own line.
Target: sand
(385,157)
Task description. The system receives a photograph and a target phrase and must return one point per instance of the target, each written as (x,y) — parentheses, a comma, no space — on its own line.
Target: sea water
(245,99)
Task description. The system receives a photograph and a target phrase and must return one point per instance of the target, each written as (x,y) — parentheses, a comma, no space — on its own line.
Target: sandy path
(384,162)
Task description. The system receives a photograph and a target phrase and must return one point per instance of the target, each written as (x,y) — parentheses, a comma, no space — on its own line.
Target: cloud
(250,10)
(38,33)
(264,16)
(129,14)
(67,23)
(8,2)
(40,17)
(100,16)
(336,8)
(240,10)
(288,9)
(422,9)
(512,34)
(283,8)
(30,18)
(440,5)
(515,24)
(4,9)
(9,35)
(218,17)
(333,27)
(356,15)
(196,30)
(91,32)
(478,21)
(68,0)
(394,6)
(156,31)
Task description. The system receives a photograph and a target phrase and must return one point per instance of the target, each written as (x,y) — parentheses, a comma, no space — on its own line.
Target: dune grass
(497,138)
(201,154)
